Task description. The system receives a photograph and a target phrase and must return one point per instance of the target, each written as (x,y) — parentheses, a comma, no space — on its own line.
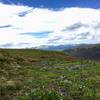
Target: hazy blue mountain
(56,48)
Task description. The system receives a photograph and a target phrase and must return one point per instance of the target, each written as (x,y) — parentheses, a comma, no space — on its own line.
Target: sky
(34,23)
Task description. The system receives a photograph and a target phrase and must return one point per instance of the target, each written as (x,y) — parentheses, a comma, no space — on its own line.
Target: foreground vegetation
(47,75)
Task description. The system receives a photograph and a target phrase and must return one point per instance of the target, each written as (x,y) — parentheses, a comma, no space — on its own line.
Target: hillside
(27,74)
(91,51)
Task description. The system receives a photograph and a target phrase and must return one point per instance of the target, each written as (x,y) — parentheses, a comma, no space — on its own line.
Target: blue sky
(33,23)
(56,3)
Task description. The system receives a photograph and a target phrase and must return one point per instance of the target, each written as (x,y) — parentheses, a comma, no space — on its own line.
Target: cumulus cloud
(22,26)
(5,26)
(75,27)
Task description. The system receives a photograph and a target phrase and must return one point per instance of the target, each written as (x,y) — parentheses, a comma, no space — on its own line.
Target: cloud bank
(24,27)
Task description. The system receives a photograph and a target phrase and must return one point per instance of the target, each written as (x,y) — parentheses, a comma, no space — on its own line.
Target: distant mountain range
(88,51)
(56,48)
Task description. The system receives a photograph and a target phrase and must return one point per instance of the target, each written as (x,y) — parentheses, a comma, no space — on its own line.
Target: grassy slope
(47,75)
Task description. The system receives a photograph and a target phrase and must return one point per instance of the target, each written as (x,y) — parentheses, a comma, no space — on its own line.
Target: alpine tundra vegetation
(28,74)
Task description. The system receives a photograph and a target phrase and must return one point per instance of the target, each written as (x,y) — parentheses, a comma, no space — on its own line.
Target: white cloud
(24,19)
